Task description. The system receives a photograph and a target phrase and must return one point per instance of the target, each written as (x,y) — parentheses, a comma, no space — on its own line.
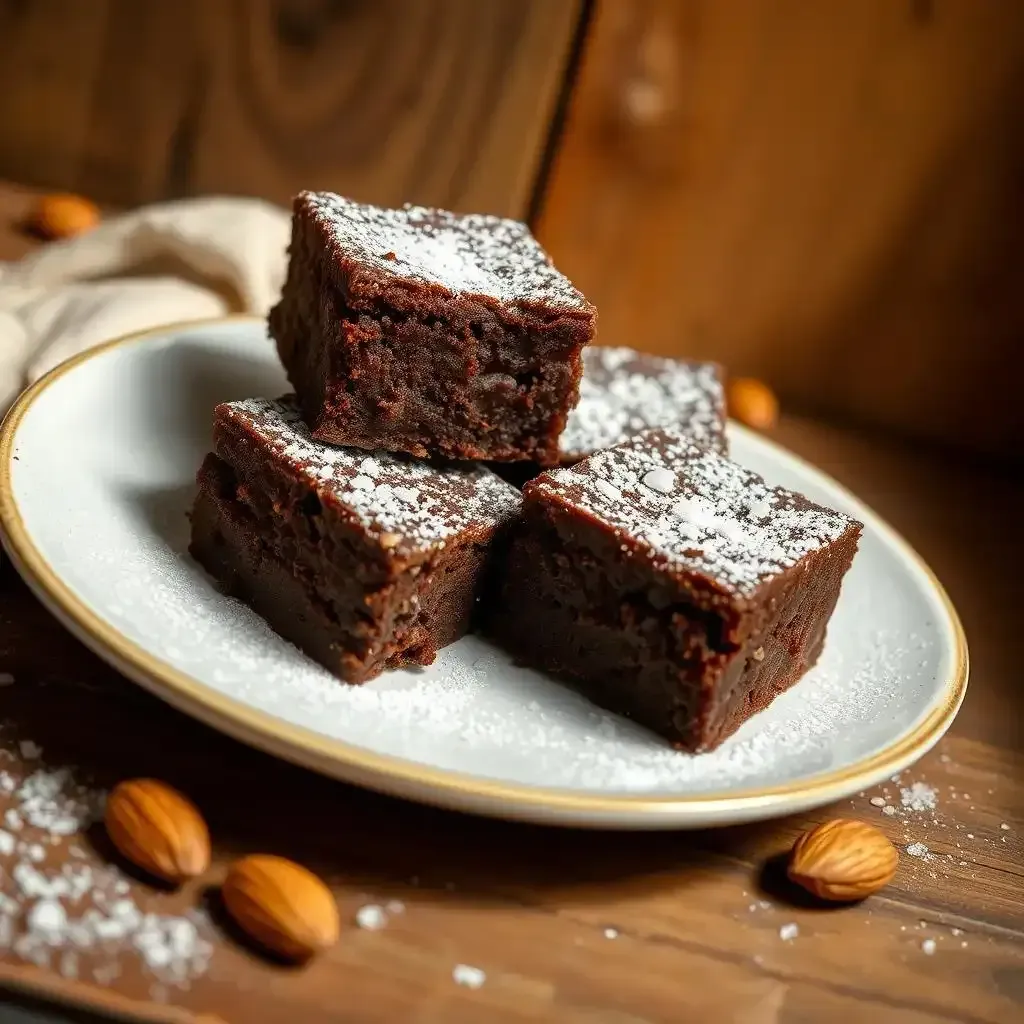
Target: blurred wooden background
(827,195)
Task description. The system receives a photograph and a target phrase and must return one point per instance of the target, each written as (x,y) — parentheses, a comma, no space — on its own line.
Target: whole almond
(752,402)
(843,860)
(281,905)
(63,215)
(158,829)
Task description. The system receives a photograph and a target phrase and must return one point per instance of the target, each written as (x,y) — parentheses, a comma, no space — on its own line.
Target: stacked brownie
(359,518)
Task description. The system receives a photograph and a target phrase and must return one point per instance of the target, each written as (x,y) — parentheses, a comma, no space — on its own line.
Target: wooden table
(601,928)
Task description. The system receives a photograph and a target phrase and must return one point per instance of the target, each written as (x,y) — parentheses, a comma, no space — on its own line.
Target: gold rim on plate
(410,779)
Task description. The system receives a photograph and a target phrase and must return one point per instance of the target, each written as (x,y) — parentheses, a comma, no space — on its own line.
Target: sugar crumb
(928,947)
(918,850)
(467,976)
(788,932)
(371,917)
(918,797)
(611,933)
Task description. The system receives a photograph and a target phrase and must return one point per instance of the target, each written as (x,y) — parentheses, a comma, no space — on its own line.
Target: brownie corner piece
(429,332)
(671,585)
(364,561)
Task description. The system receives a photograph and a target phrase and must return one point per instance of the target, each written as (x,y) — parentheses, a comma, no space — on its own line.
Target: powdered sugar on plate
(116,534)
(624,392)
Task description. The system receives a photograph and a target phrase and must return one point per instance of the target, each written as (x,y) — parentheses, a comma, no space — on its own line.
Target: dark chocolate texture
(671,585)
(365,561)
(427,332)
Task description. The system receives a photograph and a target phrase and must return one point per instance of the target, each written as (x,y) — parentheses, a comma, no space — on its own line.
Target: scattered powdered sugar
(611,933)
(80,919)
(472,254)
(928,947)
(421,505)
(467,976)
(918,850)
(371,917)
(919,797)
(624,392)
(715,518)
(788,932)
(877,801)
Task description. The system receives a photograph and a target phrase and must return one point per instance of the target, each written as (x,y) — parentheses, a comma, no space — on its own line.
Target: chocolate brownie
(671,585)
(624,392)
(365,561)
(428,332)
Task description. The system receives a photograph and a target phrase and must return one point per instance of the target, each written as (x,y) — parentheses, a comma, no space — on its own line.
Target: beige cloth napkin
(183,260)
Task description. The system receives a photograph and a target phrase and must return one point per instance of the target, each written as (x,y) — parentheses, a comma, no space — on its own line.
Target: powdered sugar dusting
(468,976)
(120,540)
(473,711)
(695,510)
(80,919)
(471,254)
(421,505)
(624,392)
(919,797)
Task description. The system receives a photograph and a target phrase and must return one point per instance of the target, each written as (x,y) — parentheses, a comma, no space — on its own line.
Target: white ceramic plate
(96,475)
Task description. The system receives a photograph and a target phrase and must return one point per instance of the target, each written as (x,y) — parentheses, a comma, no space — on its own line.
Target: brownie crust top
(419,504)
(623,392)
(693,511)
(464,254)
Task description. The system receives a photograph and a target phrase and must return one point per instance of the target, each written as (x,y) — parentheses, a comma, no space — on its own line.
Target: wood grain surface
(439,101)
(579,927)
(826,195)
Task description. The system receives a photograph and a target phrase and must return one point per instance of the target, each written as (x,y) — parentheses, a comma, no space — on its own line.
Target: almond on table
(843,860)
(158,829)
(281,905)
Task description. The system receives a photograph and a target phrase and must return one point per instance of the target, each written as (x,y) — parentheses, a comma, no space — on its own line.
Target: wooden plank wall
(440,101)
(827,195)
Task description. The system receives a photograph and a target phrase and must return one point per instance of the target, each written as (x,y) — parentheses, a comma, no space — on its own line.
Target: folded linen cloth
(184,260)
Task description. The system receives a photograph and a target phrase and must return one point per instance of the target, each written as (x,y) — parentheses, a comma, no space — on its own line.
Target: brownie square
(672,585)
(624,392)
(424,331)
(365,561)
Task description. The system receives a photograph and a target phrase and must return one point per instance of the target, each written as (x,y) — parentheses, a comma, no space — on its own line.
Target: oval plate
(97,462)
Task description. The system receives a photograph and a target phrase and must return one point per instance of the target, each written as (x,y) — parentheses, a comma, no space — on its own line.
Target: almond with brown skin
(752,402)
(63,216)
(158,829)
(281,905)
(843,860)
